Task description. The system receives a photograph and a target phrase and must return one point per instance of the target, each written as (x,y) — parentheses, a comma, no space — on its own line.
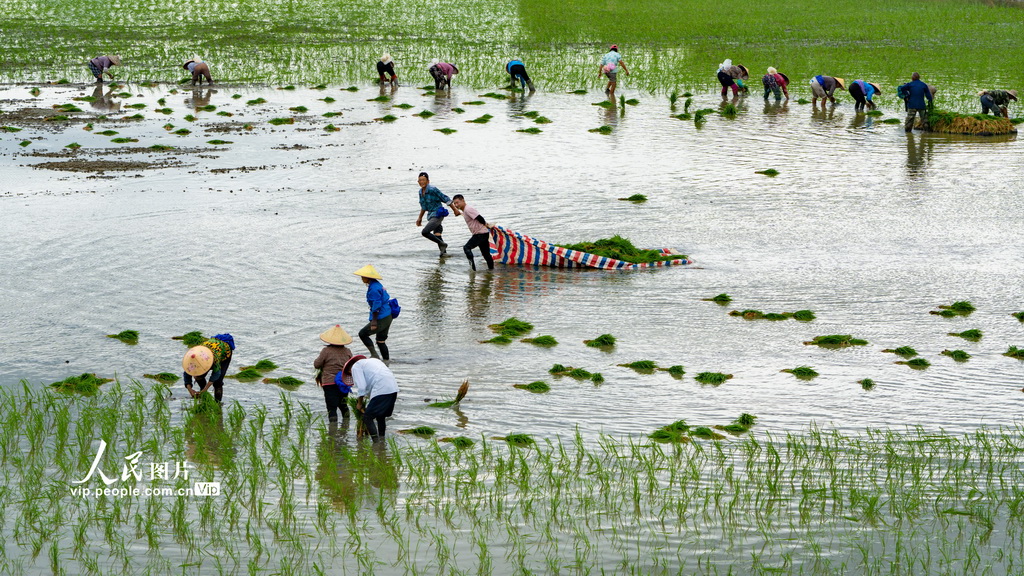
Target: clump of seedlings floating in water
(182,132)
(959,308)
(606,129)
(542,120)
(108,133)
(604,104)
(164,110)
(683,116)
(1014,352)
(474,103)
(424,114)
(700,115)
(800,315)
(123,140)
(904,351)
(330,114)
(286,382)
(674,432)
(281,121)
(635,198)
(531,114)
(126,336)
(705,433)
(446,131)
(957,355)
(219,142)
(802,372)
(602,341)
(403,106)
(265,365)
(458,441)
(481,120)
(712,378)
(676,371)
(546,341)
(83,384)
(24,143)
(672,99)
(163,377)
(499,339)
(494,95)
(512,327)
(576,373)
(597,378)
(256,101)
(530,130)
(9,129)
(299,109)
(915,363)
(873,113)
(459,110)
(521,440)
(836,341)
(972,335)
(387,118)
(351,89)
(769,172)
(578,91)
(642,366)
(729,111)
(866,383)
(331,128)
(803,101)
(381,98)
(463,390)
(722,299)
(740,425)
(249,374)
(421,431)
(538,387)
(892,121)
(190,339)
(1018,316)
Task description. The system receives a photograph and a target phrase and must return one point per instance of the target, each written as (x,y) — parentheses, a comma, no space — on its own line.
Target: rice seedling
(803,316)
(1014,352)
(904,351)
(446,131)
(915,363)
(57,118)
(803,101)
(866,383)
(957,355)
(499,339)
(531,114)
(204,405)
(329,100)
(182,132)
(729,110)
(190,118)
(233,97)
(622,102)
(481,120)
(836,341)
(134,117)
(602,341)
(642,366)
(459,395)
(460,442)
(288,87)
(422,431)
(673,97)
(9,129)
(674,432)
(247,375)
(802,372)
(494,95)
(219,142)
(163,377)
(530,130)
(699,115)
(281,121)
(578,91)
(960,308)
(264,365)
(606,130)
(74,146)
(124,140)
(873,113)
(331,128)
(190,339)
(512,327)
(424,114)
(68,107)
(538,387)
(161,147)
(24,143)
(972,335)
(256,101)
(545,341)
(740,425)
(676,371)
(597,378)
(85,383)
(285,381)
(579,374)
(386,118)
(351,89)
(705,433)
(168,126)
(557,369)
(603,104)
(381,98)
(34,91)
(521,440)
(137,106)
(1018,316)
(635,198)
(126,336)
(623,249)
(712,378)
(722,299)
(330,114)
(542,120)
(164,110)
(299,109)
(892,121)
(771,172)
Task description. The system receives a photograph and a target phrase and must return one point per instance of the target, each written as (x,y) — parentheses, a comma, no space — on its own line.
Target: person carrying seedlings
(329,364)
(377,389)
(998,101)
(914,93)
(824,87)
(432,203)
(442,73)
(478,227)
(862,93)
(198,69)
(387,66)
(516,69)
(211,357)
(380,312)
(100,65)
(732,76)
(775,83)
(609,66)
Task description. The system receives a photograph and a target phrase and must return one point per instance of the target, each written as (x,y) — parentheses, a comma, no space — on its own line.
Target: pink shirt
(475,227)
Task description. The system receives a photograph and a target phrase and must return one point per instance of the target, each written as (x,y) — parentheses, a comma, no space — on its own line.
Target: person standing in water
(379,301)
(609,66)
(432,203)
(478,227)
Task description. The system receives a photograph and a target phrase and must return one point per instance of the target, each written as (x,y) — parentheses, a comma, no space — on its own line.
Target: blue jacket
(431,199)
(508,67)
(378,299)
(917,91)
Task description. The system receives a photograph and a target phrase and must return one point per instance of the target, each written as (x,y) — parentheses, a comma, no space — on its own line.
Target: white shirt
(372,378)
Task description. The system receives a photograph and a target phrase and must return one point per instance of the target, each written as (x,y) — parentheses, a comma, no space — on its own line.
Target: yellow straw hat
(336,335)
(197,361)
(840,81)
(1013,94)
(368,271)
(116,59)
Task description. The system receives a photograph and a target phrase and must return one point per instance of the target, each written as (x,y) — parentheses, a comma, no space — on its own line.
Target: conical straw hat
(197,361)
(840,81)
(336,335)
(115,58)
(368,271)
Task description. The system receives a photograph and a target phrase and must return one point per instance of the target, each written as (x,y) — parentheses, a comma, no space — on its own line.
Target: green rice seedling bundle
(748,314)
(542,120)
(836,341)
(134,117)
(530,130)
(458,110)
(126,336)
(137,106)
(915,363)
(1018,316)
(204,404)
(512,327)
(191,339)
(623,249)
(299,109)
(866,383)
(772,172)
(683,116)
(256,101)
(957,355)
(558,369)
(9,129)
(602,341)
(803,101)
(161,147)
(481,120)
(91,99)
(722,299)
(603,104)
(676,371)
(387,118)
(73,108)
(182,132)
(474,103)
(976,124)
(281,121)
(579,374)
(1015,352)
(56,118)
(459,395)
(597,378)
(972,335)
(705,433)
(319,87)
(712,378)
(330,114)
(538,387)
(381,98)
(85,383)
(802,372)
(265,365)
(424,114)
(700,115)
(403,105)
(494,95)
(729,110)
(124,140)
(285,381)
(635,198)
(545,341)
(219,142)
(446,131)
(632,102)
(247,375)
(163,377)
(517,439)
(904,351)
(499,339)
(740,425)
(673,97)
(164,110)
(24,143)
(74,146)
(873,113)
(422,431)
(803,316)
(961,307)
(606,129)
(351,89)
(331,128)
(236,96)
(622,103)
(578,91)
(892,121)
(644,366)
(674,432)
(531,114)
(289,87)
(34,91)
(460,442)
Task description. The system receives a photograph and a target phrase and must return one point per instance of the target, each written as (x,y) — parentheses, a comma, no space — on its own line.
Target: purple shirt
(447,68)
(101,62)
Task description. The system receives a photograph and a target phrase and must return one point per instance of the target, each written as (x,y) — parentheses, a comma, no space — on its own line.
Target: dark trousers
(858,97)
(434,224)
(519,71)
(383,326)
(217,379)
(482,241)
(335,400)
(987,103)
(200,71)
(379,408)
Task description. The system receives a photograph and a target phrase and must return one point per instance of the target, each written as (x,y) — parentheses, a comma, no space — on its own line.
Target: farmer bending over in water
(387,66)
(377,389)
(100,65)
(329,363)
(775,83)
(609,66)
(998,101)
(214,356)
(732,76)
(862,93)
(380,312)
(824,87)
(442,73)
(516,69)
(478,227)
(432,203)
(199,70)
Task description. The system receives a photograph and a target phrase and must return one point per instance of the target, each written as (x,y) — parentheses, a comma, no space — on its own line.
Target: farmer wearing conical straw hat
(862,93)
(100,65)
(211,357)
(387,66)
(380,312)
(824,87)
(998,101)
(199,70)
(329,363)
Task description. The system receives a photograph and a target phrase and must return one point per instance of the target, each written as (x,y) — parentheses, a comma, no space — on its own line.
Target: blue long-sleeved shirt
(378,299)
(431,199)
(917,91)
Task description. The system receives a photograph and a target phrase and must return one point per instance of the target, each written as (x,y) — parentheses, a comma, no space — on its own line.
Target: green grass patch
(9,129)
(161,147)
(256,101)
(126,336)
(108,133)
(713,378)
(299,109)
(381,98)
(182,132)
(163,377)
(636,198)
(538,387)
(623,249)
(330,114)
(602,341)
(802,372)
(957,355)
(124,140)
(494,95)
(973,335)
(387,118)
(425,114)
(546,341)
(1015,352)
(904,351)
(82,384)
(836,341)
(866,383)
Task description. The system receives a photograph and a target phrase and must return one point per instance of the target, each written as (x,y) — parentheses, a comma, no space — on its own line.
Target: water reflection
(354,476)
(432,300)
(104,101)
(478,294)
(775,108)
(207,442)
(919,155)
(825,112)
(199,98)
(517,103)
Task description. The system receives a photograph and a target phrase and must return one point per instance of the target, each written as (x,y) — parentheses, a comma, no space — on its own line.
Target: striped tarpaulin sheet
(511,247)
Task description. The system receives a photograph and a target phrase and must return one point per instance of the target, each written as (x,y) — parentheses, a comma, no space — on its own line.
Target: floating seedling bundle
(511,247)
(974,124)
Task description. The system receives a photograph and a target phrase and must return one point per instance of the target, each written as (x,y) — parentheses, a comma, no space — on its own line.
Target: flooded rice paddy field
(864,225)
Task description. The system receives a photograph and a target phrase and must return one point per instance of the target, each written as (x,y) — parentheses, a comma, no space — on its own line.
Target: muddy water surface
(868,227)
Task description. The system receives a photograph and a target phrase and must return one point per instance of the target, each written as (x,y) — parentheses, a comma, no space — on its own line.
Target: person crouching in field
(516,69)
(442,73)
(732,76)
(199,70)
(862,92)
(387,66)
(775,83)
(100,65)
(609,66)
(998,101)
(824,87)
